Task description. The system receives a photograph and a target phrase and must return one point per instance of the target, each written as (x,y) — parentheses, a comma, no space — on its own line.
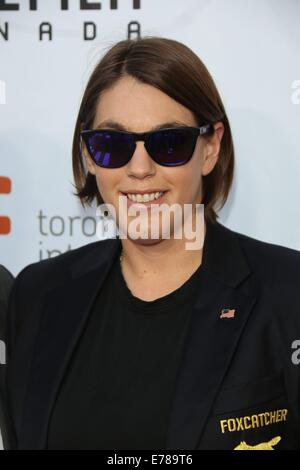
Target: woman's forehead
(131,103)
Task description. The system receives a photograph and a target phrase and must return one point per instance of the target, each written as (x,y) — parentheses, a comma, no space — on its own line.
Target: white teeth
(144,197)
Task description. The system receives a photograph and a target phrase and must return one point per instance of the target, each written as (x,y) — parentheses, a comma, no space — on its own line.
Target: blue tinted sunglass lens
(167,147)
(110,149)
(171,147)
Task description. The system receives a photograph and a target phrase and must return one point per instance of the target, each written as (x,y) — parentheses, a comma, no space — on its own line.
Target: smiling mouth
(144,199)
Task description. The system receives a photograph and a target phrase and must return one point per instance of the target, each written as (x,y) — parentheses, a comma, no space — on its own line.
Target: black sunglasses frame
(144,136)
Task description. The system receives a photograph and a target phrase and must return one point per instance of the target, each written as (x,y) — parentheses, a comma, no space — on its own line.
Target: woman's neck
(154,270)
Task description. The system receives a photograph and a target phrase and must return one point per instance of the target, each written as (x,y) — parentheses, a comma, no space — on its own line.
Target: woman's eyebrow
(118,126)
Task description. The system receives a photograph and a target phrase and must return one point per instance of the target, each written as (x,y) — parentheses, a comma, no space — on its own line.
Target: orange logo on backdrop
(5,188)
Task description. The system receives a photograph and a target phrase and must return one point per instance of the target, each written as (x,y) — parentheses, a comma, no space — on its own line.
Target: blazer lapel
(211,341)
(66,311)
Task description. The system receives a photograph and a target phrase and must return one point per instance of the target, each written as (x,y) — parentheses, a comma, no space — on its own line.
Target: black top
(118,388)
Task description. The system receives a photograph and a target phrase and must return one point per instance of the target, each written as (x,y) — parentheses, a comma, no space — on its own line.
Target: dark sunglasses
(172,146)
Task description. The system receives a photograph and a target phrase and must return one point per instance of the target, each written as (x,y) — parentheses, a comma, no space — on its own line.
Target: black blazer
(237,381)
(6,281)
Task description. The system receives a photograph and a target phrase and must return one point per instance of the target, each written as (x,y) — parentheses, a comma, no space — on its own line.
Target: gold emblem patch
(262,446)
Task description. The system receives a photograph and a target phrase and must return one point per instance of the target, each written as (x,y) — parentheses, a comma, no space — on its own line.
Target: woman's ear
(212,149)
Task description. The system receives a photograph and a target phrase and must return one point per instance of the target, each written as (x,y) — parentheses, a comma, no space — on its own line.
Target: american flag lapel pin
(227,313)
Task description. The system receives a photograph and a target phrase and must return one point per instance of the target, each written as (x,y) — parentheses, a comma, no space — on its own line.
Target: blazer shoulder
(54,270)
(272,261)
(6,283)
(5,276)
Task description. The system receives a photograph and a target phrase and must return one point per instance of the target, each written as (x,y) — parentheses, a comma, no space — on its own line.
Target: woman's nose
(141,163)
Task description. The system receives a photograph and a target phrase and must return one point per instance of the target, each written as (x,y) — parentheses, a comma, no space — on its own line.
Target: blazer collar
(209,346)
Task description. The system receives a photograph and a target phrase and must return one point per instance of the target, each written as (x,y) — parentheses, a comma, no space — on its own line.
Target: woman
(138,342)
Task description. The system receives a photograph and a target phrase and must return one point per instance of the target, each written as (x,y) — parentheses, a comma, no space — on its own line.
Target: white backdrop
(251,50)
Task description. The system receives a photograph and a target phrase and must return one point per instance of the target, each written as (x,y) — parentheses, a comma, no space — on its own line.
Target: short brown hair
(178,72)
